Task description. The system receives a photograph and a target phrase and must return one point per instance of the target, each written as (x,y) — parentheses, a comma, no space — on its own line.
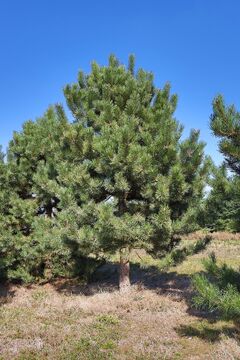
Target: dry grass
(226,247)
(155,320)
(217,236)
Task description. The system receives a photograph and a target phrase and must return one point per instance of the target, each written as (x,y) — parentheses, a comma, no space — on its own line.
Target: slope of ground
(67,320)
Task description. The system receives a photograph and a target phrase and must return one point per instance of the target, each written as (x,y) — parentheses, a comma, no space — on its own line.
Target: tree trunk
(124,271)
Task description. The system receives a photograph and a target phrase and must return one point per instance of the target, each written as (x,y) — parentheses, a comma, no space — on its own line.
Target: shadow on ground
(6,294)
(105,279)
(207,332)
(177,286)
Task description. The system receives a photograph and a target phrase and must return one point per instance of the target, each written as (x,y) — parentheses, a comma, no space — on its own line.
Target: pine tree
(31,244)
(218,289)
(221,207)
(116,178)
(145,182)
(225,124)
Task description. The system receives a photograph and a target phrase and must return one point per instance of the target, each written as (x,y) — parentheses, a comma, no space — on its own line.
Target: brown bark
(124,265)
(124,271)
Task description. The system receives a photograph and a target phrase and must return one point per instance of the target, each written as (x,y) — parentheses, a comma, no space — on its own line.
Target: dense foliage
(225,124)
(218,289)
(221,209)
(115,178)
(31,237)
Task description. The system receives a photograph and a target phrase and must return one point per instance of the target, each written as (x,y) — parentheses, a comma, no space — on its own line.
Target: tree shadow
(177,286)
(207,332)
(163,282)
(105,279)
(6,294)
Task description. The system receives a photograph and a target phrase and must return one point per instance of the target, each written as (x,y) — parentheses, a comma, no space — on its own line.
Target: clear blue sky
(194,44)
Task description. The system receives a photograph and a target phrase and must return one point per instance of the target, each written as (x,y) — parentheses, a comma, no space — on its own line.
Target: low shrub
(218,289)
